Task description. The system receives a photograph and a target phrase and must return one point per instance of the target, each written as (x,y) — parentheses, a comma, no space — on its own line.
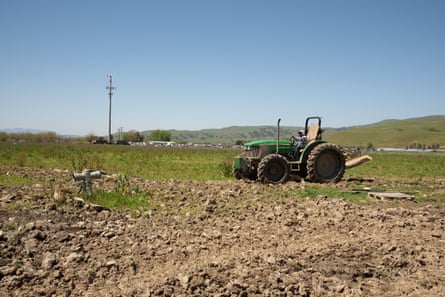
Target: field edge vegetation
(420,174)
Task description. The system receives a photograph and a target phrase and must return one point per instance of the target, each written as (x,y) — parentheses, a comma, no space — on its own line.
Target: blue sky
(210,64)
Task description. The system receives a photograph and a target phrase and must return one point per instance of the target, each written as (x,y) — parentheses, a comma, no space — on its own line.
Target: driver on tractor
(299,144)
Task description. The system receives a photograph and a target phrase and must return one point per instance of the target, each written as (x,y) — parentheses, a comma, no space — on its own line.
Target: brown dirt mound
(213,239)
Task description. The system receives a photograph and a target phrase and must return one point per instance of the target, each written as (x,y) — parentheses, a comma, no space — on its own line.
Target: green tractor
(308,157)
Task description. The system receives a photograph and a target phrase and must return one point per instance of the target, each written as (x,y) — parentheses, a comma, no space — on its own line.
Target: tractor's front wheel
(273,169)
(326,163)
(239,174)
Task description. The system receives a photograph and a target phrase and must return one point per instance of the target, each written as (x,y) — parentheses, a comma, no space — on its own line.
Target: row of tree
(415,145)
(52,137)
(32,137)
(133,136)
(136,136)
(423,146)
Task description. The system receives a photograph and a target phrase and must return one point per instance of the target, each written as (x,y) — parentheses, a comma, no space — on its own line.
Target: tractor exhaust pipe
(278,135)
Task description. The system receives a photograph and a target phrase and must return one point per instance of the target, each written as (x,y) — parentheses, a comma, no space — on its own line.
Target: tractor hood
(267,142)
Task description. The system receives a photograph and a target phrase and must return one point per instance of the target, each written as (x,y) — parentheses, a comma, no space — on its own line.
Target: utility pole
(110,89)
(120,130)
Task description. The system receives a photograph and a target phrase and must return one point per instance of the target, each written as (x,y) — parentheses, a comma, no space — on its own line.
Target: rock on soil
(214,239)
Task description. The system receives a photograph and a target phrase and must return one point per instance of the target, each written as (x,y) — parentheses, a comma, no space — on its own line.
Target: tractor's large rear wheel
(325,164)
(273,169)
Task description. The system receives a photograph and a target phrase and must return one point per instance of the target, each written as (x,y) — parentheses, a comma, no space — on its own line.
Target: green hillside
(427,131)
(232,134)
(394,133)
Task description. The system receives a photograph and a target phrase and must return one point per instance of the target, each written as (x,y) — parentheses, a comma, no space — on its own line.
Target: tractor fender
(307,150)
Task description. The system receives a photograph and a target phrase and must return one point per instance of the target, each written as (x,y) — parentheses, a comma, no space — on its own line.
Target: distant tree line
(133,136)
(33,137)
(423,146)
(160,135)
(136,136)
(52,137)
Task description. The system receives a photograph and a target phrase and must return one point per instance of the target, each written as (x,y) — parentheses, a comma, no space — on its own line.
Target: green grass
(136,203)
(14,181)
(146,162)
(414,173)
(314,191)
(191,163)
(402,165)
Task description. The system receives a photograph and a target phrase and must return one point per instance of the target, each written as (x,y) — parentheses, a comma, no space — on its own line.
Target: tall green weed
(192,163)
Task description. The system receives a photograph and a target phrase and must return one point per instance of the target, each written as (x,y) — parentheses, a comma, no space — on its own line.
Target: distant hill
(21,131)
(428,131)
(388,133)
(422,131)
(233,134)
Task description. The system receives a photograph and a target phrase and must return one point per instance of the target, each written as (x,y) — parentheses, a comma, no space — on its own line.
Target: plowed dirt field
(215,238)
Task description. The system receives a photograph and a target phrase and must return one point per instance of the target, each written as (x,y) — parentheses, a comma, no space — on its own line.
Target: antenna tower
(110,89)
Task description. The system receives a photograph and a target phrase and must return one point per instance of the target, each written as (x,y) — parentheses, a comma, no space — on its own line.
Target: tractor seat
(312,132)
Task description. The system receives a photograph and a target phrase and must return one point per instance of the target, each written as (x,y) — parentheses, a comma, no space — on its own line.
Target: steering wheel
(293,140)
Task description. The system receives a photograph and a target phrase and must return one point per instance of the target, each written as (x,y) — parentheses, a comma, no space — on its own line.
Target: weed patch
(9,181)
(136,203)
